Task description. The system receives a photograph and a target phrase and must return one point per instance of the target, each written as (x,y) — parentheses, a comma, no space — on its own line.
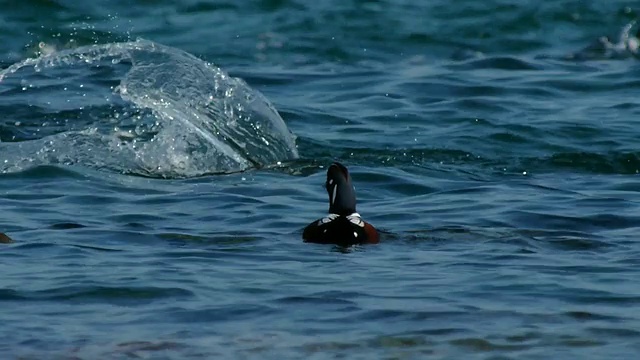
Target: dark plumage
(343,225)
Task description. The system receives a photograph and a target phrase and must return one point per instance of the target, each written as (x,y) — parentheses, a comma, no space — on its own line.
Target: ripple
(80,294)
(483,345)
(498,62)
(227,313)
(66,226)
(588,316)
(45,172)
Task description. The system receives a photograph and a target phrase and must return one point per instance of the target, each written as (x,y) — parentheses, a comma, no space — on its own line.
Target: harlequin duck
(343,226)
(5,239)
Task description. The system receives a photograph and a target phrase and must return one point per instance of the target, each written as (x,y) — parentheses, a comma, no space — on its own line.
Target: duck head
(342,194)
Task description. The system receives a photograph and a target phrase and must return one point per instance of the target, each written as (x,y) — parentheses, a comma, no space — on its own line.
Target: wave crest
(136,107)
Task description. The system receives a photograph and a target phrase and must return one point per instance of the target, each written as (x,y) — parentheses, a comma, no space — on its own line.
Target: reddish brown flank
(372,234)
(4,239)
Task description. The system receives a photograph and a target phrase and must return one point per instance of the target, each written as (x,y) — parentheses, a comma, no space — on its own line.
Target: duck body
(341,230)
(343,226)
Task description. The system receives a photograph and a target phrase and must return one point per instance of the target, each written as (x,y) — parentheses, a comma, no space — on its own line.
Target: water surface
(497,157)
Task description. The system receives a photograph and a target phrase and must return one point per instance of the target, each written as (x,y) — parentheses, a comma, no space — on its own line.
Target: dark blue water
(494,144)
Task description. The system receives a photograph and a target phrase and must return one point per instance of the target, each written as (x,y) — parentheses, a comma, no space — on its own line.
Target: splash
(136,107)
(626,46)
